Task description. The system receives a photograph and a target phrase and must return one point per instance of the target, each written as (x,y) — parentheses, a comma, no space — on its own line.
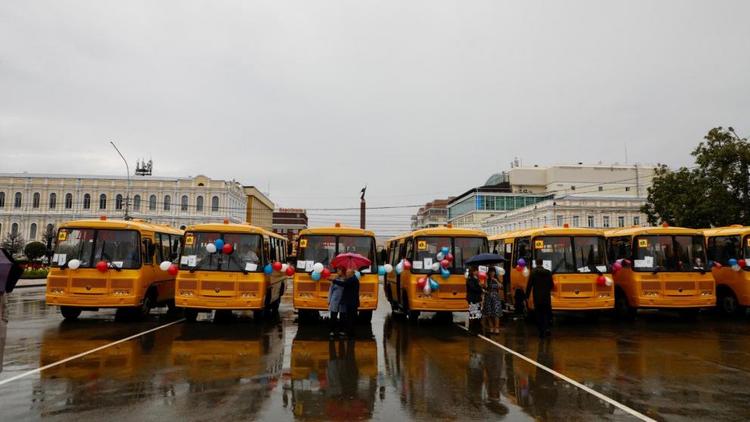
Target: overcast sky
(418,99)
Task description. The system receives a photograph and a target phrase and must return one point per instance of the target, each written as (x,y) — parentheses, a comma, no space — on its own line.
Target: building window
(17,200)
(576,221)
(32,231)
(559,221)
(627,188)
(35,200)
(86,201)
(102,202)
(68,201)
(52,201)
(14,228)
(152,202)
(137,202)
(2,199)
(167,202)
(199,204)
(184,203)
(118,202)
(620,221)
(605,221)
(601,188)
(637,220)
(215,204)
(590,221)
(572,188)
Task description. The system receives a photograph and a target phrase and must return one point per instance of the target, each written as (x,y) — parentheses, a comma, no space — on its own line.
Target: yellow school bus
(420,248)
(211,279)
(112,264)
(321,245)
(665,267)
(577,258)
(732,287)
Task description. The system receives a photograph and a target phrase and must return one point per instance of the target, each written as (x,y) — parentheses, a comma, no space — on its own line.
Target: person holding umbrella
(10,272)
(474,290)
(335,293)
(349,304)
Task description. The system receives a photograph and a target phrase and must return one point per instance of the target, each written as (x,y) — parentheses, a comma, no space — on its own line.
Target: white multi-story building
(432,214)
(29,203)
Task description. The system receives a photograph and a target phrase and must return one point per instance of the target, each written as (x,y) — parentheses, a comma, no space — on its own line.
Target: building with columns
(30,202)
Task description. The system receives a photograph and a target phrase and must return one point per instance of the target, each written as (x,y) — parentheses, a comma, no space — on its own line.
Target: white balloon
(318,267)
(164,266)
(440,256)
(284,267)
(608,282)
(736,268)
(436,266)
(73,264)
(500,271)
(388,268)
(210,248)
(427,290)
(526,271)
(399,268)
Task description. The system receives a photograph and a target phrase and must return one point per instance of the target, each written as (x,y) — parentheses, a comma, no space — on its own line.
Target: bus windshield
(571,254)
(322,249)
(246,252)
(669,253)
(747,247)
(121,248)
(462,249)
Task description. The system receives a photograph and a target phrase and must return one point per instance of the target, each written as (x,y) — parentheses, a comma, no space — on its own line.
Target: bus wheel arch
(726,300)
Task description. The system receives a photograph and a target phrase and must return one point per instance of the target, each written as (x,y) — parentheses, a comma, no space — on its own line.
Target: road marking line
(68,359)
(593,392)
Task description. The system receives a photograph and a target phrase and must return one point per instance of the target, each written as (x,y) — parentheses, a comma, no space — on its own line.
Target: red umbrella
(351,261)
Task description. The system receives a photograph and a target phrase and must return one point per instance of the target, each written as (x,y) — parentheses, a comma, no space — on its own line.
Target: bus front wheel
(727,303)
(70,313)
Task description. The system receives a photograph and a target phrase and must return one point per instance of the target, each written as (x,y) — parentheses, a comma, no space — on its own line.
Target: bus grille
(679,285)
(573,287)
(188,284)
(249,287)
(95,283)
(452,288)
(220,285)
(305,287)
(706,285)
(122,284)
(57,282)
(650,285)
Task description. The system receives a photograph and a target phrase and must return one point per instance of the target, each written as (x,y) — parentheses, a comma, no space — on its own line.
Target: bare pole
(127,169)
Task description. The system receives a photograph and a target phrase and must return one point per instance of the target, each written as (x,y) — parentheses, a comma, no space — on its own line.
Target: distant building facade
(288,222)
(31,202)
(432,214)
(259,208)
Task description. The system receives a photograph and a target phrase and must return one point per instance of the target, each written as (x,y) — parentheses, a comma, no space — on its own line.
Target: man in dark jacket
(540,285)
(350,301)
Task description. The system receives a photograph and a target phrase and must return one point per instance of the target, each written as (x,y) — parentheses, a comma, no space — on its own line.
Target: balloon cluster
(219,245)
(169,267)
(445,260)
(619,265)
(319,271)
(603,280)
(522,268)
(385,269)
(736,265)
(427,285)
(404,264)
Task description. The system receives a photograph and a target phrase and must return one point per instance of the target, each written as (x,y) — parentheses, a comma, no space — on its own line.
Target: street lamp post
(127,170)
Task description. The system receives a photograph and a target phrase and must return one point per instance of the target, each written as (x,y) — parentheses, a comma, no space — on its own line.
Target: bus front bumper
(676,301)
(438,305)
(234,303)
(583,304)
(366,303)
(92,301)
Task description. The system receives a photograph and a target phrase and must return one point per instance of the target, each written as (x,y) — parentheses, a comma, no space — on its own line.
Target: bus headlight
(186,293)
(707,293)
(121,292)
(651,293)
(56,291)
(247,294)
(603,295)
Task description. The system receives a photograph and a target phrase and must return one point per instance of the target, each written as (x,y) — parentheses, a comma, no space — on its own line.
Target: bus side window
(723,248)
(266,251)
(148,251)
(409,250)
(522,251)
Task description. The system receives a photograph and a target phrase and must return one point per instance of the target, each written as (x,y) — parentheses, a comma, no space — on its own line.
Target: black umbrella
(485,259)
(10,272)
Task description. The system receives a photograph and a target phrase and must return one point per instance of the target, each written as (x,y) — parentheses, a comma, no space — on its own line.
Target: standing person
(541,284)
(474,297)
(10,272)
(350,301)
(335,294)
(492,308)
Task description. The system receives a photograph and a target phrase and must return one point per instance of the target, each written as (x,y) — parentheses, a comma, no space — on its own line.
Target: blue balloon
(434,285)
(445,250)
(445,273)
(315,276)
(381,270)
(219,244)
(732,262)
(268,269)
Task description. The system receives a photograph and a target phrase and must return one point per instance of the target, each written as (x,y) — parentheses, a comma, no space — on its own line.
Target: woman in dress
(474,297)
(493,305)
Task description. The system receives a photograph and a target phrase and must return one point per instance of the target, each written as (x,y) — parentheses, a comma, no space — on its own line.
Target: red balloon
(717,265)
(449,257)
(482,275)
(173,270)
(102,266)
(445,263)
(519,268)
(227,248)
(422,282)
(742,263)
(325,273)
(601,281)
(407,264)
(276,266)
(290,271)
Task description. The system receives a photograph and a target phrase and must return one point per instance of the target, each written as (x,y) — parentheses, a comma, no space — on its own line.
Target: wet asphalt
(277,369)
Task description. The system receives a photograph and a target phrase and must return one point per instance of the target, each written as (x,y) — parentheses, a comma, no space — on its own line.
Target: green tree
(13,243)
(715,192)
(35,250)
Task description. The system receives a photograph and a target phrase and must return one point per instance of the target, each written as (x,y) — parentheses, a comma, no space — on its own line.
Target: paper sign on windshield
(483,268)
(301,264)
(428,262)
(417,265)
(251,266)
(183,260)
(191,262)
(547,264)
(61,259)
